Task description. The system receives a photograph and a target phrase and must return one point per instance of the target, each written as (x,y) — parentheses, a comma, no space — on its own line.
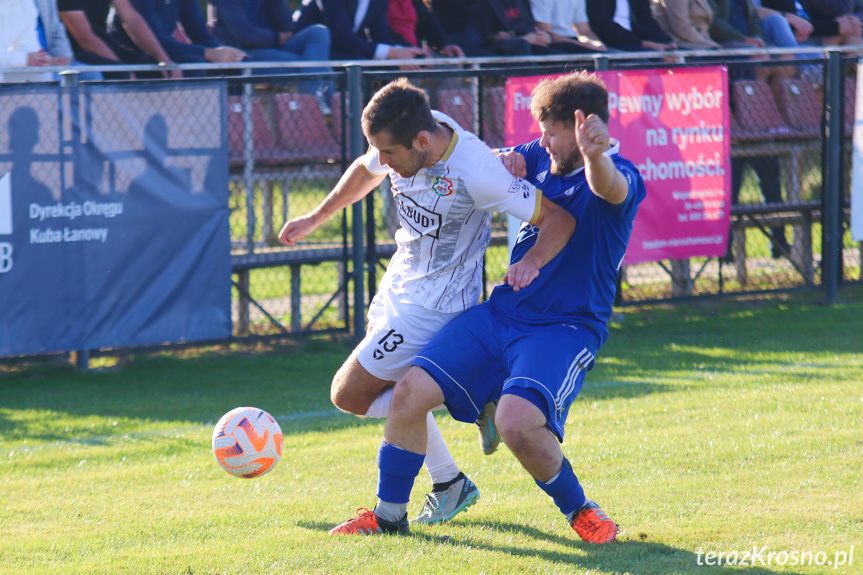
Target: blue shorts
(480,356)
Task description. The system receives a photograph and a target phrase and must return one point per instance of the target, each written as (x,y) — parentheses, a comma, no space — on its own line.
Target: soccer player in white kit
(445,182)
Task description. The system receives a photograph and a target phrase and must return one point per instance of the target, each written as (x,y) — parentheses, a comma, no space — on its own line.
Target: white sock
(439,462)
(392,512)
(380,407)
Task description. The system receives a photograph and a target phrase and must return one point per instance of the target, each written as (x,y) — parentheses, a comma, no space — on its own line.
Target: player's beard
(566,164)
(415,164)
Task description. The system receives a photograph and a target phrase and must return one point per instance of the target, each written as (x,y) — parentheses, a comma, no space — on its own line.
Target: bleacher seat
(303,133)
(266,148)
(494,117)
(457,103)
(235,129)
(755,114)
(800,106)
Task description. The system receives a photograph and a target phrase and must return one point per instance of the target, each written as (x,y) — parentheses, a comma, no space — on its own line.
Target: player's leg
(465,361)
(354,389)
(422,389)
(524,428)
(548,368)
(400,456)
(396,333)
(353,386)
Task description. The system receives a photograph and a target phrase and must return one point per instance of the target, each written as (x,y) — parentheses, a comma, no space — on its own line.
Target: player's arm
(556,226)
(78,25)
(141,34)
(603,177)
(353,186)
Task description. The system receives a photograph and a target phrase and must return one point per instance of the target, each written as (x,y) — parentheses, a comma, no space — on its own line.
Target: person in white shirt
(445,183)
(20,45)
(566,21)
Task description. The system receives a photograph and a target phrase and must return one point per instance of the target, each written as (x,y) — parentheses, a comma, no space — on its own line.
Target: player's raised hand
(514,163)
(520,274)
(591,135)
(296,229)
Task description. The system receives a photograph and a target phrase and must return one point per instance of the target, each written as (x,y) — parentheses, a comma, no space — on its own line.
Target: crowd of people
(36,33)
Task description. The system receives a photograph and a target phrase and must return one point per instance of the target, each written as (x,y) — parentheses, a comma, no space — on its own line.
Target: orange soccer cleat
(593,525)
(367,523)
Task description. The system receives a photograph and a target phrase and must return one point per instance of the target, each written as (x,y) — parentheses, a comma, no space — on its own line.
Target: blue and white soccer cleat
(444,505)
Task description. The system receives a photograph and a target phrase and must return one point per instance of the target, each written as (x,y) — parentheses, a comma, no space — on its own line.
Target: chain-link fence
(290,138)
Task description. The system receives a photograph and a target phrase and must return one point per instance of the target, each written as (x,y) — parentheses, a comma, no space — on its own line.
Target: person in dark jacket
(642,33)
(839,21)
(265,31)
(162,16)
(414,24)
(355,36)
(494,27)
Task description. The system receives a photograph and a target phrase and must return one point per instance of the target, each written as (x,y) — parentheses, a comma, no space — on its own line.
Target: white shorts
(396,333)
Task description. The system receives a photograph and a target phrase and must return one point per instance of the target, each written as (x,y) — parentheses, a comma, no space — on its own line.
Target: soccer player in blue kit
(529,348)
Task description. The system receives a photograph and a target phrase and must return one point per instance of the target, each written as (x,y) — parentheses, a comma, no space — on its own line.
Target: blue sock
(397,471)
(565,490)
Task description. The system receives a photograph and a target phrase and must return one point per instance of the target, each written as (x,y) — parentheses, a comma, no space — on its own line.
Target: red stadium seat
(303,133)
(457,103)
(235,129)
(800,106)
(266,149)
(755,112)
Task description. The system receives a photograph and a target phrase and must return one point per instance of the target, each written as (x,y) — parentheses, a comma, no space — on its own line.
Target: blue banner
(113,217)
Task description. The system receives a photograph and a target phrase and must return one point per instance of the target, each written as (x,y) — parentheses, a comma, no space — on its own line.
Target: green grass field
(720,427)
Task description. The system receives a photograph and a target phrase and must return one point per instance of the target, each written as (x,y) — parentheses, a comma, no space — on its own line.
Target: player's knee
(518,421)
(512,431)
(344,396)
(415,392)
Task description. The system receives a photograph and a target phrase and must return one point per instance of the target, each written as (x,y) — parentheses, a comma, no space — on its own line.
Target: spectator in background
(687,22)
(265,31)
(742,17)
(835,21)
(495,28)
(782,30)
(413,23)
(20,42)
(163,16)
(359,29)
(827,30)
(744,30)
(55,40)
(566,21)
(627,25)
(470,24)
(87,23)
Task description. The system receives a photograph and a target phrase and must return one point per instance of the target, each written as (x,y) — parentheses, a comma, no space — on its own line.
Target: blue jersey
(577,287)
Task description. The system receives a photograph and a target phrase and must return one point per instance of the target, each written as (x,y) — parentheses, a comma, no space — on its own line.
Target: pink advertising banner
(673,125)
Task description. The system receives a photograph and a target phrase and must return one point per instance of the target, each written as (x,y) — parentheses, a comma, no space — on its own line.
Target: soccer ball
(247,442)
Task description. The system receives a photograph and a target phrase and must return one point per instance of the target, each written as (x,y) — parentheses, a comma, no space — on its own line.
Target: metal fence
(792,121)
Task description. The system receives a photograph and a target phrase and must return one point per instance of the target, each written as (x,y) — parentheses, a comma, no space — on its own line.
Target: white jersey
(445,215)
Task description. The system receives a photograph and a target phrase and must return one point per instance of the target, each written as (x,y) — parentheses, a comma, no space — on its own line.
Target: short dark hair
(557,99)
(400,108)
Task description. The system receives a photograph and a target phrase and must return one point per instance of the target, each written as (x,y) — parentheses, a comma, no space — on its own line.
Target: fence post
(249,164)
(600,64)
(69,81)
(831,238)
(357,148)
